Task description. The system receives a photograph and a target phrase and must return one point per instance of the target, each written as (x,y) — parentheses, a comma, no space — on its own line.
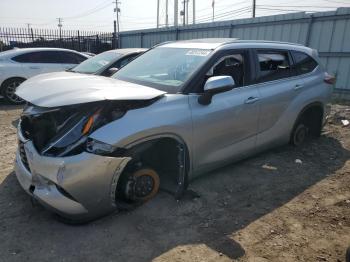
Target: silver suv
(89,145)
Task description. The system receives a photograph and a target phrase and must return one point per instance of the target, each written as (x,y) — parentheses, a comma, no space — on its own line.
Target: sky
(98,15)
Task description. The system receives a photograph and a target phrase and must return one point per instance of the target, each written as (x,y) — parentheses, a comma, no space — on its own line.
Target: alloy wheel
(10,90)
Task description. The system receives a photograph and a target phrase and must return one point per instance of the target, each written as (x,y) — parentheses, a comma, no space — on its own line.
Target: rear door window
(303,63)
(33,57)
(273,65)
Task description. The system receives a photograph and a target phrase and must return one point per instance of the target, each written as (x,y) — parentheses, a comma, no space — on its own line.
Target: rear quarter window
(303,63)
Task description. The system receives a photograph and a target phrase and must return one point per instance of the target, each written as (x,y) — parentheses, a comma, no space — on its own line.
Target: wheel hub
(300,135)
(10,92)
(142,185)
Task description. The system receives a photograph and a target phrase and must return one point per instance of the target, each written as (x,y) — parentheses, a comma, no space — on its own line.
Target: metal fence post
(32,35)
(231,30)
(79,46)
(309,28)
(141,39)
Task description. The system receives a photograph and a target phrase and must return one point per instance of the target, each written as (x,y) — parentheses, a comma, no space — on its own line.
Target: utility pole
(166,13)
(254,7)
(60,20)
(213,6)
(117,11)
(187,11)
(114,34)
(194,11)
(176,12)
(184,13)
(157,13)
(28,26)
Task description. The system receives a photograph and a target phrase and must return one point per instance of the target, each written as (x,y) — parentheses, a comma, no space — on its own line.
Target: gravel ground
(266,208)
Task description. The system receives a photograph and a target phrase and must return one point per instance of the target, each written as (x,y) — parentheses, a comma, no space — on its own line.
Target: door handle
(251,100)
(34,67)
(298,86)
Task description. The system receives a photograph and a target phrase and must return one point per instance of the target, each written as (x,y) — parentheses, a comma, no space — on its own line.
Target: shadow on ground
(230,199)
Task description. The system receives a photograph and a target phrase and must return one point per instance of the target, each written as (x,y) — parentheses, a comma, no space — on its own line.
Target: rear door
(38,62)
(278,85)
(226,128)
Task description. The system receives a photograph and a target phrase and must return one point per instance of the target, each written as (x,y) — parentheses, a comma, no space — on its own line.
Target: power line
(298,6)
(223,7)
(291,10)
(227,14)
(209,15)
(91,11)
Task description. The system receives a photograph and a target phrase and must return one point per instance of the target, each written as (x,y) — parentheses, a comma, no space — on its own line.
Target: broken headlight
(99,148)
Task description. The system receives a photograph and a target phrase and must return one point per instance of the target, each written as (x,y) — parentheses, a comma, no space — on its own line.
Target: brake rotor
(142,185)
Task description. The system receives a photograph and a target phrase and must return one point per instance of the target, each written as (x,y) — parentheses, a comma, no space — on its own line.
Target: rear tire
(9,88)
(299,134)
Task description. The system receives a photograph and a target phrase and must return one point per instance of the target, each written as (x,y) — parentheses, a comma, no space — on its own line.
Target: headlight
(98,147)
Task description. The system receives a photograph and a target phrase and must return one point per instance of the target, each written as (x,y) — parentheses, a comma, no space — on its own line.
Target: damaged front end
(64,131)
(60,166)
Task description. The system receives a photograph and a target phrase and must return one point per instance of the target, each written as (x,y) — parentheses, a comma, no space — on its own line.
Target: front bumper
(77,187)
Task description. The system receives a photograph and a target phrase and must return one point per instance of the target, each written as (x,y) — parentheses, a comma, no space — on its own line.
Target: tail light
(329,79)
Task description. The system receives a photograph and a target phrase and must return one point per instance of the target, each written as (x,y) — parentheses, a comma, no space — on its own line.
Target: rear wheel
(141,185)
(299,134)
(9,88)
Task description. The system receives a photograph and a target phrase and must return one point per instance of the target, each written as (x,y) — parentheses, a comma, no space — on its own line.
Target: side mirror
(214,85)
(112,70)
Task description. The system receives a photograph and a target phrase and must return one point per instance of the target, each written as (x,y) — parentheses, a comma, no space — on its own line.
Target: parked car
(90,144)
(19,64)
(107,63)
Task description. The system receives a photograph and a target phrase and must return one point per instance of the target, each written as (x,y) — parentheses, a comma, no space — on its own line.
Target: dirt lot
(266,208)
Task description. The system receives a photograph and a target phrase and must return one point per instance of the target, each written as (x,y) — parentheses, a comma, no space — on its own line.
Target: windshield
(93,64)
(164,68)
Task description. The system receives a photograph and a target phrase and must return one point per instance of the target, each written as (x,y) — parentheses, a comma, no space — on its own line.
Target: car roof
(226,43)
(126,51)
(17,51)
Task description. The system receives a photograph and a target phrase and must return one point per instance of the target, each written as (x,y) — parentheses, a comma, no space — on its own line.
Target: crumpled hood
(67,88)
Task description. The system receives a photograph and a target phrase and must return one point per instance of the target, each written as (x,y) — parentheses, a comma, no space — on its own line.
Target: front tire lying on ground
(9,88)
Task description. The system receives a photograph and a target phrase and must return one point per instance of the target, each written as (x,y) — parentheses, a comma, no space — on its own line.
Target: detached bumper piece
(78,187)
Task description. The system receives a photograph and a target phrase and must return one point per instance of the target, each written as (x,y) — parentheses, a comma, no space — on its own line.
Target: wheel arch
(316,104)
(183,156)
(2,85)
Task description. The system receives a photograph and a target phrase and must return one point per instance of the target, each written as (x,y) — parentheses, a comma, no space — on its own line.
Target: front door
(225,129)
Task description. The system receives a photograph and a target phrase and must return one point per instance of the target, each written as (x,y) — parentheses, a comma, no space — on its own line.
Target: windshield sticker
(198,52)
(103,62)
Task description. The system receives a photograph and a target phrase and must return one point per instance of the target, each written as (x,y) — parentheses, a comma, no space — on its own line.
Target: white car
(17,65)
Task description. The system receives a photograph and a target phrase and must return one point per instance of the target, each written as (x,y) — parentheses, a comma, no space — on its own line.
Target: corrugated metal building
(328,32)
